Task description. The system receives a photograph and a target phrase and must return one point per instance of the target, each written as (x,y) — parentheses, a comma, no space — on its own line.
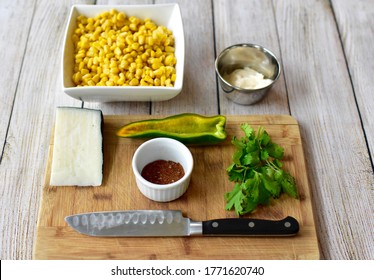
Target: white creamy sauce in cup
(247,78)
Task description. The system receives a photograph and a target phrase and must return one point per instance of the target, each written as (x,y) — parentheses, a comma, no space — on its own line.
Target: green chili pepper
(187,128)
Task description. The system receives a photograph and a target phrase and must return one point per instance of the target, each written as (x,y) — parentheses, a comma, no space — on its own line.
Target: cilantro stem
(272,165)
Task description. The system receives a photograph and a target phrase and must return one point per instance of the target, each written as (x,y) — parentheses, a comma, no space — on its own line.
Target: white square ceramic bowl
(162,14)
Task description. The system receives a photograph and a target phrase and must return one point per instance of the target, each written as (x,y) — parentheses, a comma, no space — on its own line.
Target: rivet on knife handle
(246,226)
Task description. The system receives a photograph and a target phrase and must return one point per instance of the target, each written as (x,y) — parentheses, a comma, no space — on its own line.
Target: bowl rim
(172,142)
(250,45)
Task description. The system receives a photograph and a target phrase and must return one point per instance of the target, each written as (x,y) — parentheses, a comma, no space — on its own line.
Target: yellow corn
(121,82)
(159,72)
(85,71)
(169,49)
(173,77)
(112,49)
(163,79)
(91,83)
(157,82)
(77,77)
(170,60)
(138,73)
(134,82)
(96,78)
(110,83)
(148,79)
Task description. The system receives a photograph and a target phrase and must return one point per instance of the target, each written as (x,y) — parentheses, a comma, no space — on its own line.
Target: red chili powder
(163,172)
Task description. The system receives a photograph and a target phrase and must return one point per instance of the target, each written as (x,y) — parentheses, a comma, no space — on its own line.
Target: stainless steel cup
(239,56)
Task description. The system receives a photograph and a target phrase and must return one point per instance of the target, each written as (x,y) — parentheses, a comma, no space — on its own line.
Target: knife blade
(144,223)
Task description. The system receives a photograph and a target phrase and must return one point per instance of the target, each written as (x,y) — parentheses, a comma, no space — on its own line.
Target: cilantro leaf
(251,158)
(232,196)
(248,207)
(289,185)
(272,186)
(257,171)
(235,198)
(264,139)
(275,150)
(264,196)
(248,131)
(240,149)
(239,144)
(251,145)
(236,175)
(264,155)
(237,156)
(228,169)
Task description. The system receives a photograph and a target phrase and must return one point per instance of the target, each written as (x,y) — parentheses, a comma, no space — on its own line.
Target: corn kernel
(144,56)
(129,75)
(168,41)
(125,28)
(77,78)
(168,82)
(114,70)
(117,51)
(86,76)
(120,82)
(156,65)
(81,65)
(134,82)
(96,78)
(91,83)
(157,82)
(158,52)
(135,46)
(84,71)
(169,49)
(106,71)
(163,79)
(124,65)
(170,60)
(121,17)
(104,79)
(138,72)
(141,40)
(148,79)
(79,55)
(159,72)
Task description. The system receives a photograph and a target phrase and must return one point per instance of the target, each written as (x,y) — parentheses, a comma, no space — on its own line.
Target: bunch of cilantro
(257,171)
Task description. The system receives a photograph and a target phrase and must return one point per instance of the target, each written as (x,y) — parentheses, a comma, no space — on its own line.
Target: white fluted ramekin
(162,149)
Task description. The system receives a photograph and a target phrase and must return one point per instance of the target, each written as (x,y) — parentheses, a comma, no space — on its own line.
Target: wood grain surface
(203,200)
(338,170)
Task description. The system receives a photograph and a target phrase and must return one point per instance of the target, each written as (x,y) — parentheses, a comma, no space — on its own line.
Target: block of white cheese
(77,148)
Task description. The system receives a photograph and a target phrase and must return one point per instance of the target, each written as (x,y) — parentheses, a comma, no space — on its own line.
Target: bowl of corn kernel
(123,53)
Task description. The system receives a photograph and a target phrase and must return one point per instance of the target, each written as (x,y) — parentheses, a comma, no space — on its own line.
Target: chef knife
(172,223)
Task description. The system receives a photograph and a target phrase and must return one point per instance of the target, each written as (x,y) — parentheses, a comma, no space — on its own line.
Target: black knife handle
(256,227)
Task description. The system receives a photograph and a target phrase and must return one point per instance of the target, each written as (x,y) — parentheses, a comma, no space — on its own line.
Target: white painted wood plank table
(327,85)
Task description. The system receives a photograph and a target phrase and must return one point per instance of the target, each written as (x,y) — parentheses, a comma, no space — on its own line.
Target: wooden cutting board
(203,200)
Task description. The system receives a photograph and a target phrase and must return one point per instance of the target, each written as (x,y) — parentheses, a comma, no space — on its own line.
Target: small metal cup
(254,56)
